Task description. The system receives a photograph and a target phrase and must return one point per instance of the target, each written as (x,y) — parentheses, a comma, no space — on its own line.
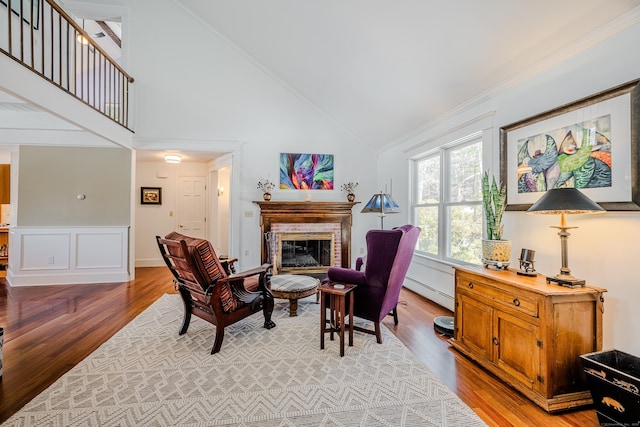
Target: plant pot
(351,197)
(496,253)
(266,197)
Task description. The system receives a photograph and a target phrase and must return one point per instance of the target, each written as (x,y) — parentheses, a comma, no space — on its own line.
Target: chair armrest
(346,275)
(236,284)
(243,275)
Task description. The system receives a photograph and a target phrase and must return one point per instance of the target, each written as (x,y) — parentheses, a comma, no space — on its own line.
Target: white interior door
(192,207)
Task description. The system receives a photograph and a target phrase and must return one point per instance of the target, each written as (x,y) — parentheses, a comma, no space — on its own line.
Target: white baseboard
(150,262)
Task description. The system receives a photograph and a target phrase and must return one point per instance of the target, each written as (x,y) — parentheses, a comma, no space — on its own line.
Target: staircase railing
(42,37)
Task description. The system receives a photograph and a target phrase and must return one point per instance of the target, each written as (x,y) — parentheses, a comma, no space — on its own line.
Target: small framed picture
(151,195)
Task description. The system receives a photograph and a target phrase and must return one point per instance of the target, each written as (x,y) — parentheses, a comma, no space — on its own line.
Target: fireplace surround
(304,252)
(316,219)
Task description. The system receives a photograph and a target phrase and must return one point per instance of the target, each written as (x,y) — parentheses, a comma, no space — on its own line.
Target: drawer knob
(495,341)
(470,285)
(516,302)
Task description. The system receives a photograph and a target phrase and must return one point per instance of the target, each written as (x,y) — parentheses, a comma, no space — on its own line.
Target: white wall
(211,97)
(152,220)
(603,250)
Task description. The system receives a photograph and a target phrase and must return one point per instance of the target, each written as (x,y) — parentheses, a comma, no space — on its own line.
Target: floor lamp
(381,204)
(564,201)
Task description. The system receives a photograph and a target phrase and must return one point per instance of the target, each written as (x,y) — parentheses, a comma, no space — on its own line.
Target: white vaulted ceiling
(386,69)
(383,69)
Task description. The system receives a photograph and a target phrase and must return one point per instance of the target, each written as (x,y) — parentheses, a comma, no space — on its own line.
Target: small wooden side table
(293,287)
(337,293)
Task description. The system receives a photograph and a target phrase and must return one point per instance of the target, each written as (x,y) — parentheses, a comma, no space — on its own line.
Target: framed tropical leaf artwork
(591,144)
(306,171)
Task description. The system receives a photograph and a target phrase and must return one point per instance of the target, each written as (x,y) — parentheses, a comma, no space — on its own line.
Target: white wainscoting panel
(68,255)
(45,251)
(100,250)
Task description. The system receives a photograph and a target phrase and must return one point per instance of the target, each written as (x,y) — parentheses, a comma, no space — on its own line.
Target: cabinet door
(474,326)
(5,184)
(516,349)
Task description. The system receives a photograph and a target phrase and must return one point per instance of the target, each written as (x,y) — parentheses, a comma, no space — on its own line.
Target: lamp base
(527,273)
(498,265)
(573,283)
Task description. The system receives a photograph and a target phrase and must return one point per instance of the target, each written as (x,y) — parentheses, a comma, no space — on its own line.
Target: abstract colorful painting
(306,171)
(576,156)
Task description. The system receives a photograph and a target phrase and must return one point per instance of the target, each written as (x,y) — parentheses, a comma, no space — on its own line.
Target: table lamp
(381,204)
(564,201)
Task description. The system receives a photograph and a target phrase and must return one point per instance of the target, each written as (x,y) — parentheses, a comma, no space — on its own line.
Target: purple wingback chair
(389,254)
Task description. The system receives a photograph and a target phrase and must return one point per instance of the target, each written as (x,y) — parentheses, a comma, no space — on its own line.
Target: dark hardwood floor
(49,329)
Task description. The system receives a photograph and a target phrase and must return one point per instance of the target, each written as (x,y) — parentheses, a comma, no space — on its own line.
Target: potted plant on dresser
(496,251)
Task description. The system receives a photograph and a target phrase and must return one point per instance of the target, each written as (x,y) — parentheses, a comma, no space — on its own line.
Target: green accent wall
(50,179)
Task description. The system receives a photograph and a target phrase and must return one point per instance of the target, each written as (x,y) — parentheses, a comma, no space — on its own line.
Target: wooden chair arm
(236,283)
(243,275)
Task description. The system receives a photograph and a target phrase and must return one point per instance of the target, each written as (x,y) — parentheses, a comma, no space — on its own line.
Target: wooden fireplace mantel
(308,212)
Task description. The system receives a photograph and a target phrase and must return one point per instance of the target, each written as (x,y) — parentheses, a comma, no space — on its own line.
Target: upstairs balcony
(43,38)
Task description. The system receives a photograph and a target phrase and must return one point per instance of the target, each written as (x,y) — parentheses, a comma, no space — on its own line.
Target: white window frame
(444,243)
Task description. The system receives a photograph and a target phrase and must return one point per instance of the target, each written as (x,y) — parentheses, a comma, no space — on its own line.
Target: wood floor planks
(49,329)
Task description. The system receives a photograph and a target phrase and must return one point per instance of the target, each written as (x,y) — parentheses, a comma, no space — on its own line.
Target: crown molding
(592,39)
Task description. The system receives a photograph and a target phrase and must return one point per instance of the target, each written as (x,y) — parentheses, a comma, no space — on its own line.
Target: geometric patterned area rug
(148,375)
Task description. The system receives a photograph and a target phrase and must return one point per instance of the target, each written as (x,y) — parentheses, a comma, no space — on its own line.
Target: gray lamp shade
(564,200)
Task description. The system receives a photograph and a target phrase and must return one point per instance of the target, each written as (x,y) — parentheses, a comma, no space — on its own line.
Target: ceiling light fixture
(80,38)
(172,158)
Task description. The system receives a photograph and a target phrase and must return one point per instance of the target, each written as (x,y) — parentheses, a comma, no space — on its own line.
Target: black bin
(614,380)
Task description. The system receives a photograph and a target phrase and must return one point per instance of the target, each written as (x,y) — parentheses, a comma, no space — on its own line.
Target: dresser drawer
(507,297)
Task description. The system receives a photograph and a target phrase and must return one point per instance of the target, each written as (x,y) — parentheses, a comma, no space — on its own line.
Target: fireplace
(306,252)
(324,225)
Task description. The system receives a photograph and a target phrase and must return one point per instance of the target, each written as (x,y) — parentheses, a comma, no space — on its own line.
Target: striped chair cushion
(206,260)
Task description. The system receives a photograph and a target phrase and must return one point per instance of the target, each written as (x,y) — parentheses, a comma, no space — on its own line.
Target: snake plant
(494,199)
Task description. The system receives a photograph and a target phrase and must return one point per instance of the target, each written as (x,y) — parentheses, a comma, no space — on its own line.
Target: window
(447,201)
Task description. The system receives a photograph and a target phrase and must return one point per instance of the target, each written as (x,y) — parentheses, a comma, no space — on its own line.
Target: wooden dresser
(528,333)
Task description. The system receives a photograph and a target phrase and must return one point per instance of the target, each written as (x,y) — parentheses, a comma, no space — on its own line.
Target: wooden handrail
(67,56)
(80,30)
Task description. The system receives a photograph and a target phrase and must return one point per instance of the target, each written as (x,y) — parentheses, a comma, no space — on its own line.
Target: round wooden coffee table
(293,287)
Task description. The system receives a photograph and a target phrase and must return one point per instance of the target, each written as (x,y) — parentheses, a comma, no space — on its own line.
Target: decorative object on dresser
(529,334)
(564,201)
(526,263)
(496,252)
(381,204)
